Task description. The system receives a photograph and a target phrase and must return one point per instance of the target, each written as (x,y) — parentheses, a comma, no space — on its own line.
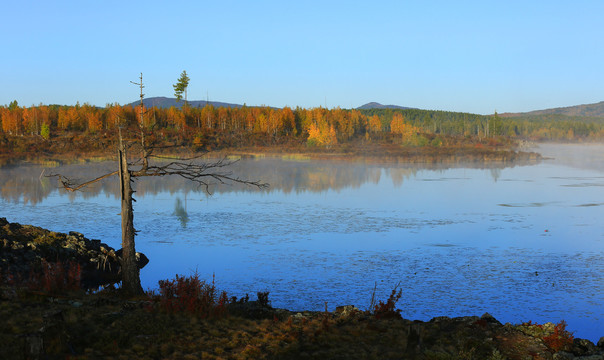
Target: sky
(468,56)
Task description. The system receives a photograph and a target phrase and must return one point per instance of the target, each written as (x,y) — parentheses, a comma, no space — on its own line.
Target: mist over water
(588,156)
(520,242)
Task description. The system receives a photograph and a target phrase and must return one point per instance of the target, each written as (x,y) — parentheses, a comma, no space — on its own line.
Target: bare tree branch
(68,184)
(200,173)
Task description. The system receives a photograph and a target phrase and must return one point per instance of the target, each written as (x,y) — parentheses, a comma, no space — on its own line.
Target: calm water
(522,242)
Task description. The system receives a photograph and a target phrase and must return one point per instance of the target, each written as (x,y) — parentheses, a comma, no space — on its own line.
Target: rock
(346,310)
(13,227)
(562,355)
(440,318)
(26,248)
(468,319)
(583,346)
(490,319)
(141,259)
(76,234)
(601,342)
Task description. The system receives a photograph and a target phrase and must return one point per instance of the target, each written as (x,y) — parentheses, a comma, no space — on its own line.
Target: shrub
(436,142)
(45,131)
(192,295)
(61,276)
(386,310)
(560,338)
(263,299)
(554,336)
(51,277)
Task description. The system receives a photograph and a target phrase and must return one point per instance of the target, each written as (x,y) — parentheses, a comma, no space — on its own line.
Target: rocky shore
(27,251)
(39,324)
(103,326)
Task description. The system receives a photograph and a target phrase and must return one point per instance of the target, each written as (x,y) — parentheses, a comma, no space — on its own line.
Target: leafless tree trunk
(130,272)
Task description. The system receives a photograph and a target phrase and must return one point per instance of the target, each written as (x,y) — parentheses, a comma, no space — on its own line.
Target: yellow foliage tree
(322,135)
(375,124)
(396,125)
(407,131)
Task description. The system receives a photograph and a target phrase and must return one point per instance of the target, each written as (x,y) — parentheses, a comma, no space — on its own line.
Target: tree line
(537,128)
(317,126)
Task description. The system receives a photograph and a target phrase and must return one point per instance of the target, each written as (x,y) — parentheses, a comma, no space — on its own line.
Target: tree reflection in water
(27,184)
(180,212)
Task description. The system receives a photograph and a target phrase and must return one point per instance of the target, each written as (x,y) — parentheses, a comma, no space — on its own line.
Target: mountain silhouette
(376,105)
(165,102)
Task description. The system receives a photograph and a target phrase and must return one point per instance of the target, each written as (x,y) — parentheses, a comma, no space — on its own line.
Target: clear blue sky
(472,56)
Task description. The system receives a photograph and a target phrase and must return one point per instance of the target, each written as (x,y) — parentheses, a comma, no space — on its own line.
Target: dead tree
(202,173)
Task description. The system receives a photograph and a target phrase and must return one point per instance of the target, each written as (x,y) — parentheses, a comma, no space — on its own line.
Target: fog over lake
(522,242)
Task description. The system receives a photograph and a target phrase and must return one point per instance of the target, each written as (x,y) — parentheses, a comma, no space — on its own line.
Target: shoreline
(67,148)
(455,157)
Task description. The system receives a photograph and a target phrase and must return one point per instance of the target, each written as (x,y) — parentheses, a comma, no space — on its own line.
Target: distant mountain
(586,110)
(375,105)
(164,102)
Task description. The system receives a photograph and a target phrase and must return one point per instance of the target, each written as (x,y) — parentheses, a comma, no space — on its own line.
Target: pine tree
(181,86)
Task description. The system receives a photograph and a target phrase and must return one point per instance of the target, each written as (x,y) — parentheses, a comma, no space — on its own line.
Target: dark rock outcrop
(25,250)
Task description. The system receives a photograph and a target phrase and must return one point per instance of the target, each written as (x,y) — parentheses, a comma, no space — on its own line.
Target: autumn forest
(211,128)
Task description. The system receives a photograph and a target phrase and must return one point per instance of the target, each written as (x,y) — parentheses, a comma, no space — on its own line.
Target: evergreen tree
(181,86)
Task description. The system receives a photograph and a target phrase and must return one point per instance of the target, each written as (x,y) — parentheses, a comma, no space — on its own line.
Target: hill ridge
(595,110)
(584,110)
(377,105)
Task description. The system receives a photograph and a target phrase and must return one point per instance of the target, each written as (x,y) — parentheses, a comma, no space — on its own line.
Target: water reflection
(29,183)
(180,212)
(495,174)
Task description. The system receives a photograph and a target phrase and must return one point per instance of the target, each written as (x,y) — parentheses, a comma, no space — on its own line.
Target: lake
(519,242)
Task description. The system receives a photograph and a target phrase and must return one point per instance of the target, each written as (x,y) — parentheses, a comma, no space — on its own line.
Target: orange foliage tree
(288,121)
(12,120)
(176,118)
(30,120)
(91,117)
(70,119)
(114,115)
(44,114)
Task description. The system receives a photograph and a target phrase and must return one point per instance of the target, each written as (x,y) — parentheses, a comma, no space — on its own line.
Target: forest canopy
(318,127)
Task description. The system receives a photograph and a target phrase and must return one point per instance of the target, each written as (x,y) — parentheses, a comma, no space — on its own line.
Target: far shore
(359,151)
